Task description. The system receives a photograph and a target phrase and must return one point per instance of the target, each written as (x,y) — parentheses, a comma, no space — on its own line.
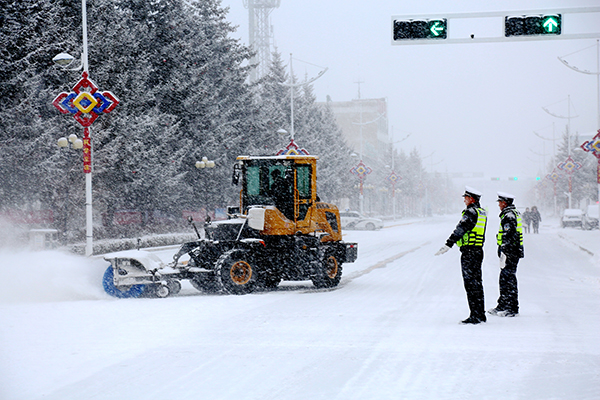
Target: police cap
(506,197)
(472,192)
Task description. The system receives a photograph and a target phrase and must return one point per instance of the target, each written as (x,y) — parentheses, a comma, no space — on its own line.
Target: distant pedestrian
(469,235)
(536,218)
(527,220)
(510,250)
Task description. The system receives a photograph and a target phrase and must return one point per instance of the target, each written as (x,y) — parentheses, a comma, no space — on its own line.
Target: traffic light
(420,29)
(527,25)
(512,178)
(495,178)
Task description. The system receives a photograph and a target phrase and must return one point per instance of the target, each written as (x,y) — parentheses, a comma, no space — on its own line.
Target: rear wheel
(270,282)
(205,282)
(121,292)
(174,286)
(236,272)
(329,273)
(162,291)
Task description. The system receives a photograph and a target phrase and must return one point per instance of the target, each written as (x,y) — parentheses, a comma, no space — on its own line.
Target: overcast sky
(473,107)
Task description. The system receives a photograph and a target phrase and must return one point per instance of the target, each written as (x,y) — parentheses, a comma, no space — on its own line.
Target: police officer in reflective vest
(510,250)
(469,235)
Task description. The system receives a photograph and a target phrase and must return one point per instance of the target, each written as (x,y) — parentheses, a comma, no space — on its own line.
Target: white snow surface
(389,331)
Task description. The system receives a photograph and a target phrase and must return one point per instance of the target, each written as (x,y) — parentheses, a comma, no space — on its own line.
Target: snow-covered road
(389,331)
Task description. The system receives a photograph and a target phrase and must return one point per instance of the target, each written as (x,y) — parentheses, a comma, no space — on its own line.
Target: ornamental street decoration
(553,176)
(87,151)
(393,178)
(569,165)
(361,170)
(593,146)
(292,149)
(85,102)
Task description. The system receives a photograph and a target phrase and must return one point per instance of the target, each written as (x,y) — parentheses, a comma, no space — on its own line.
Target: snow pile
(49,276)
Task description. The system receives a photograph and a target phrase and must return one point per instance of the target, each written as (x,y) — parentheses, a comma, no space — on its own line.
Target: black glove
(499,251)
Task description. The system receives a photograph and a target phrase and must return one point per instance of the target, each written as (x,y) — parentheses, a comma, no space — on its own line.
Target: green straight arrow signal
(550,25)
(437,28)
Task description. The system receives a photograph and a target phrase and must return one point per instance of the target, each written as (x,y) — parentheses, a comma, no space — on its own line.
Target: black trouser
(470,260)
(509,293)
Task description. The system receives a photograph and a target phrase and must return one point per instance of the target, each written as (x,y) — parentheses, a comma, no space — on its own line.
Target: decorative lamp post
(569,166)
(392,179)
(72,142)
(361,170)
(205,163)
(291,149)
(553,176)
(293,85)
(593,146)
(86,104)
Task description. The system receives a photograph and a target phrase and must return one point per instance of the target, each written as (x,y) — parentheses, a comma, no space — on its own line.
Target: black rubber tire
(161,291)
(329,273)
(174,286)
(370,226)
(236,272)
(205,283)
(270,282)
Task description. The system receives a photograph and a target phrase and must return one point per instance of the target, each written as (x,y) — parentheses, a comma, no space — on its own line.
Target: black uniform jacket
(511,239)
(466,224)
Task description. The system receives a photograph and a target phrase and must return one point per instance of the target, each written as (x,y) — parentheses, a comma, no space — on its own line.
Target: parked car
(572,217)
(591,217)
(353,220)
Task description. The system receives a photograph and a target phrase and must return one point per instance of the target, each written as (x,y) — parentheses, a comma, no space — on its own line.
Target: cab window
(303,173)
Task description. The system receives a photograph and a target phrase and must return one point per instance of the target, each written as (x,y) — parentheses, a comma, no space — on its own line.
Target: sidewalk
(586,240)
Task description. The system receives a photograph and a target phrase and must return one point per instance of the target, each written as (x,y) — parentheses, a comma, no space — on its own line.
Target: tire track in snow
(381,264)
(566,239)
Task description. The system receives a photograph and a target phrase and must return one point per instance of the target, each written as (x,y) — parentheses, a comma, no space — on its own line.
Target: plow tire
(270,282)
(174,286)
(236,272)
(329,273)
(206,283)
(110,288)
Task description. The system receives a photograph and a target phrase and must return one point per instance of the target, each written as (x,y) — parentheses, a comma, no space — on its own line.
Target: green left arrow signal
(437,29)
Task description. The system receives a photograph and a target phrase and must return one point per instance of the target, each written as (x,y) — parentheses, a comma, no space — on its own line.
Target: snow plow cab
(280,231)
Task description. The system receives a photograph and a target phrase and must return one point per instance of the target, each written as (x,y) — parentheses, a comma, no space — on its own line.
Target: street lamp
(65,60)
(597,73)
(205,163)
(85,103)
(72,142)
(293,85)
(568,118)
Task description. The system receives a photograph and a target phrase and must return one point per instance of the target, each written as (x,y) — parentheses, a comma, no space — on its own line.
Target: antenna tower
(260,34)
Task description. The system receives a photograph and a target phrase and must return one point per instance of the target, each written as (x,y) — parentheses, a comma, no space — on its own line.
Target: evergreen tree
(31,32)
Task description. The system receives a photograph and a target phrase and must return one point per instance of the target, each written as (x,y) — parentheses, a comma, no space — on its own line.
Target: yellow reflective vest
(519,228)
(476,236)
